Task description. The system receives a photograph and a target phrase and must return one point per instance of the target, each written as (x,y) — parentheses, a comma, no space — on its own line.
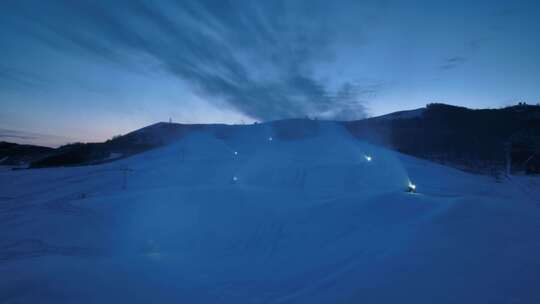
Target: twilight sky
(85,70)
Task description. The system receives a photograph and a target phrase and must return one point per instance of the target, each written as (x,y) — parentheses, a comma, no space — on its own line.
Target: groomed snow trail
(301,218)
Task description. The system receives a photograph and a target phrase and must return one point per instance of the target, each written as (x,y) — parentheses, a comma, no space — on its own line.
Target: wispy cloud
(260,57)
(498,21)
(23,137)
(453,62)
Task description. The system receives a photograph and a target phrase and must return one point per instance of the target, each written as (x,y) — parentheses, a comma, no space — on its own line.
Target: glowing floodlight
(270,138)
(235,153)
(367,157)
(411,188)
(235,179)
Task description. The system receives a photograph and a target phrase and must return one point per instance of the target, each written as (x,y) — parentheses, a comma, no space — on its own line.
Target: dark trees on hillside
(475,140)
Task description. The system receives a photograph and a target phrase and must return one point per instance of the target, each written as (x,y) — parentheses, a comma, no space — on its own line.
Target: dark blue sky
(87,70)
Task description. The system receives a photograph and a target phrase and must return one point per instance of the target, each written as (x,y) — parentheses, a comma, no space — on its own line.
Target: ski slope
(258,214)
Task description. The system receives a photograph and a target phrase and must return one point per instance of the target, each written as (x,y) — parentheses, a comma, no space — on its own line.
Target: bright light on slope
(411,187)
(367,157)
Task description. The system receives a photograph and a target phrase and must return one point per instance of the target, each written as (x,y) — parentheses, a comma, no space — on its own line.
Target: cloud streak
(23,137)
(263,58)
(453,62)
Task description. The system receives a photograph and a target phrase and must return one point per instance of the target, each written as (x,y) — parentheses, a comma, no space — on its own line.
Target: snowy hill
(288,212)
(135,142)
(471,140)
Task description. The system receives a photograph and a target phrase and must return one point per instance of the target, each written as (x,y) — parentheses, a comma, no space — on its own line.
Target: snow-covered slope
(252,214)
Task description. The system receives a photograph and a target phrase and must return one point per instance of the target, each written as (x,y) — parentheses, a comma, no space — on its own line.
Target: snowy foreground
(308,220)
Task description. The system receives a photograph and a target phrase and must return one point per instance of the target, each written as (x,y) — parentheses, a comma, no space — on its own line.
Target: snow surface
(308,220)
